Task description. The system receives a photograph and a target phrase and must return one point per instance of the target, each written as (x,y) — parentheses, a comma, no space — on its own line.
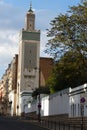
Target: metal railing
(58,125)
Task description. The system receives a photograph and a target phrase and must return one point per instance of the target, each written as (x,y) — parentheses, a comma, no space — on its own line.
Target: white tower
(28,63)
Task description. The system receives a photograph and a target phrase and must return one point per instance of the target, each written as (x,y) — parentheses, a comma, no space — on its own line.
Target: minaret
(28,61)
(30,19)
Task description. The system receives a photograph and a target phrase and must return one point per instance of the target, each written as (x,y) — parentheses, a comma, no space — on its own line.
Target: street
(11,124)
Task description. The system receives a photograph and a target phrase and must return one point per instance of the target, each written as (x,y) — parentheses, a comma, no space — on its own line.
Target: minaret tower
(30,19)
(28,63)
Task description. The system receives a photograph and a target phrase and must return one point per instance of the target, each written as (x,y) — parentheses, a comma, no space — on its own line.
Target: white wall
(55,104)
(33,106)
(24,101)
(45,106)
(63,102)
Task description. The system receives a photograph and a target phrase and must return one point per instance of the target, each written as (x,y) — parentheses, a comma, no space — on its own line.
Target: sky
(12,20)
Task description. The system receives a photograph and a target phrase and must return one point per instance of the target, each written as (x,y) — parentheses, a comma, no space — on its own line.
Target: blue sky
(12,20)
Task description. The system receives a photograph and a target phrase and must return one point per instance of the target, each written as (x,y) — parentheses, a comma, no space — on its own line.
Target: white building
(77,99)
(67,102)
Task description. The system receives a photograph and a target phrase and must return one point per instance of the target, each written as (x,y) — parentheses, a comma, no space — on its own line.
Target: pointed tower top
(30,10)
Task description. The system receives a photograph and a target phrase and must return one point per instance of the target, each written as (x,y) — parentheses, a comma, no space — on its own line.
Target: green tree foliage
(68,46)
(68,72)
(41,90)
(69,32)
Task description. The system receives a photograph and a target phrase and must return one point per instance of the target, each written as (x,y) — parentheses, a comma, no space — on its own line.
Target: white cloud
(10,22)
(8,48)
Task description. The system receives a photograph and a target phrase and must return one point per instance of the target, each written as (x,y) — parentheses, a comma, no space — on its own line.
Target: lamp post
(82,101)
(82,112)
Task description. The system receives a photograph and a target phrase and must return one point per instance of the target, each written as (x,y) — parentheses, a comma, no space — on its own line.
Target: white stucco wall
(32,107)
(58,103)
(45,106)
(63,102)
(55,104)
(25,98)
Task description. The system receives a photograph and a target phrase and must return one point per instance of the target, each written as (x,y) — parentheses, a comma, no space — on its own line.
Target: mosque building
(26,72)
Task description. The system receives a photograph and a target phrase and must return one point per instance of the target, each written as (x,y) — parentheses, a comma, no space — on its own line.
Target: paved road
(10,124)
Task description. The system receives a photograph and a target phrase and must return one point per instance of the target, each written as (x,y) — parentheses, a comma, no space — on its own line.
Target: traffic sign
(82,100)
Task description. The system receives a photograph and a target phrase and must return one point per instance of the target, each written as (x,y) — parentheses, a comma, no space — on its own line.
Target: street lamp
(82,113)
(82,101)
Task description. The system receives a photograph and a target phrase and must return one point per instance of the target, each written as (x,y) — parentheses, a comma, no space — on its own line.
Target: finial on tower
(30,5)
(30,10)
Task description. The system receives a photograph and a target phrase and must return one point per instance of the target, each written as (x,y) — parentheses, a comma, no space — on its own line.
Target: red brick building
(46,66)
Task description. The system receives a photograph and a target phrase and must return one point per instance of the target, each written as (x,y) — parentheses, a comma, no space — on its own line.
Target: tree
(68,72)
(69,33)
(52,82)
(73,69)
(68,46)
(41,90)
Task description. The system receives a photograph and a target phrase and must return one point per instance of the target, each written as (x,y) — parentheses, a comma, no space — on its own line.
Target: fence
(58,125)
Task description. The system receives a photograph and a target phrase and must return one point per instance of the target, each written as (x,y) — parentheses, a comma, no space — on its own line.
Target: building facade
(8,89)
(28,62)
(78,101)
